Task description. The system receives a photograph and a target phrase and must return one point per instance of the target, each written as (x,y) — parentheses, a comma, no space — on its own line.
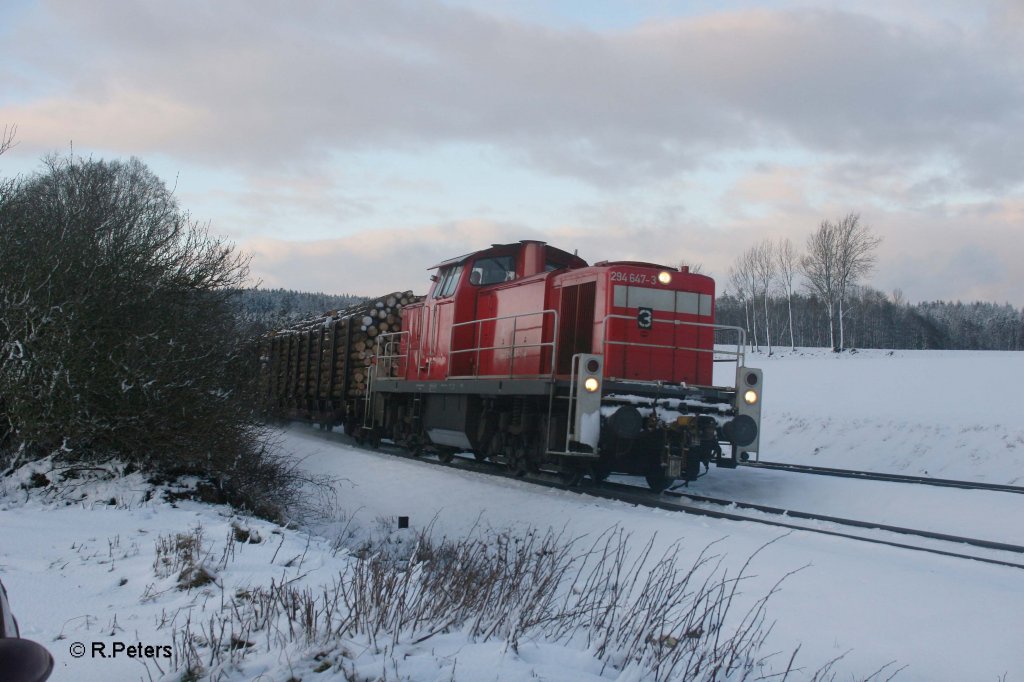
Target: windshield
(493,270)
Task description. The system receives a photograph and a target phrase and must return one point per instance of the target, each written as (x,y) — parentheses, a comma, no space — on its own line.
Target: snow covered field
(947,414)
(87,570)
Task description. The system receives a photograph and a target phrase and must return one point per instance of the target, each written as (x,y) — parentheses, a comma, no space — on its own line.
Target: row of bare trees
(836,258)
(875,319)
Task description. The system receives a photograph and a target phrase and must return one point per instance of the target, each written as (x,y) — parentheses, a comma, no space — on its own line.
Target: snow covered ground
(948,414)
(83,566)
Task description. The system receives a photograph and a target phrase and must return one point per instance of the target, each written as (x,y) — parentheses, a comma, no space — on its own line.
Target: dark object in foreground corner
(21,660)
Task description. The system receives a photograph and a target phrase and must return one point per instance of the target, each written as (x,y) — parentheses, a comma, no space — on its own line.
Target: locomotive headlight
(664,277)
(591,384)
(750,397)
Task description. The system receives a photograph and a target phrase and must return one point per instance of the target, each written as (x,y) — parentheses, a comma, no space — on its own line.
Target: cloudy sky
(350,144)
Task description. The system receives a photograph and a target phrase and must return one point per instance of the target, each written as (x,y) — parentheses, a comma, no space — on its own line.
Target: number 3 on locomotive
(645,318)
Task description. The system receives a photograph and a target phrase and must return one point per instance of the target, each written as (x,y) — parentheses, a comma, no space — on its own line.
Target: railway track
(876,476)
(637,495)
(698,505)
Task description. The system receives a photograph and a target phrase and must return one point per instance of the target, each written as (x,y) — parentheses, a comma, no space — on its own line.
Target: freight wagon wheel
(571,477)
(599,472)
(514,462)
(446,455)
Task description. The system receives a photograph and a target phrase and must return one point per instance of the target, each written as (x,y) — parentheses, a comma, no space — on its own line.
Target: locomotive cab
(478,307)
(526,355)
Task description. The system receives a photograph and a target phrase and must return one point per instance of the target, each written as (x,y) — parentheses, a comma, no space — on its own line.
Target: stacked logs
(321,365)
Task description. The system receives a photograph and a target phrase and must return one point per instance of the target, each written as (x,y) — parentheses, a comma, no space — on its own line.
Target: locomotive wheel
(518,461)
(658,481)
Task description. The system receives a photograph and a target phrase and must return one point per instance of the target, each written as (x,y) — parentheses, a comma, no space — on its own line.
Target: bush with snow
(117,334)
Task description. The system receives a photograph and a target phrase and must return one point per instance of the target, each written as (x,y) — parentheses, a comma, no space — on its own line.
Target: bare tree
(897,298)
(739,284)
(856,258)
(745,270)
(7,138)
(788,261)
(838,255)
(762,258)
(820,265)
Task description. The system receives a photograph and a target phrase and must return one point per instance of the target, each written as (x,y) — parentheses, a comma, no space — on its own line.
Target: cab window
(493,270)
(447,281)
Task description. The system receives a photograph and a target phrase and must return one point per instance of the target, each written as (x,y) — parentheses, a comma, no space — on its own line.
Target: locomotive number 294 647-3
(634,278)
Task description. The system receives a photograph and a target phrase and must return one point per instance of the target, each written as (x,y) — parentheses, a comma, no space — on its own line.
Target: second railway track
(673,500)
(879,476)
(626,493)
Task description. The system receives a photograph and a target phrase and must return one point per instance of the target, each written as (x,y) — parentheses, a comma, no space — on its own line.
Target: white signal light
(591,384)
(750,397)
(664,277)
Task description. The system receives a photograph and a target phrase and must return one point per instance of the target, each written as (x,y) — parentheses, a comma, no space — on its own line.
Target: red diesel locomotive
(526,355)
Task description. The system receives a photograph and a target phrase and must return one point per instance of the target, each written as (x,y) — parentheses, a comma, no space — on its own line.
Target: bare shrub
(632,610)
(267,481)
(118,336)
(183,554)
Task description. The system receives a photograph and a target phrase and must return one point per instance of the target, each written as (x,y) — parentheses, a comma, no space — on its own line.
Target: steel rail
(701,511)
(985,544)
(880,476)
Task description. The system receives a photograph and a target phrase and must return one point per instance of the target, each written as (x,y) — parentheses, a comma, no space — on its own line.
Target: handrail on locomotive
(511,348)
(388,346)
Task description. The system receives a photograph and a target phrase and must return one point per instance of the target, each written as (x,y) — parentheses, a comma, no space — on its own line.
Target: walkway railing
(510,347)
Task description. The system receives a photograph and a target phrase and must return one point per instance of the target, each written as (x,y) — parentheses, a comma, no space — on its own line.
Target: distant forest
(270,308)
(875,320)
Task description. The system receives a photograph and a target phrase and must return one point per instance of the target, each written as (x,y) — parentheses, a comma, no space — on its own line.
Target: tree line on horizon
(877,320)
(872,319)
(267,309)
(820,297)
